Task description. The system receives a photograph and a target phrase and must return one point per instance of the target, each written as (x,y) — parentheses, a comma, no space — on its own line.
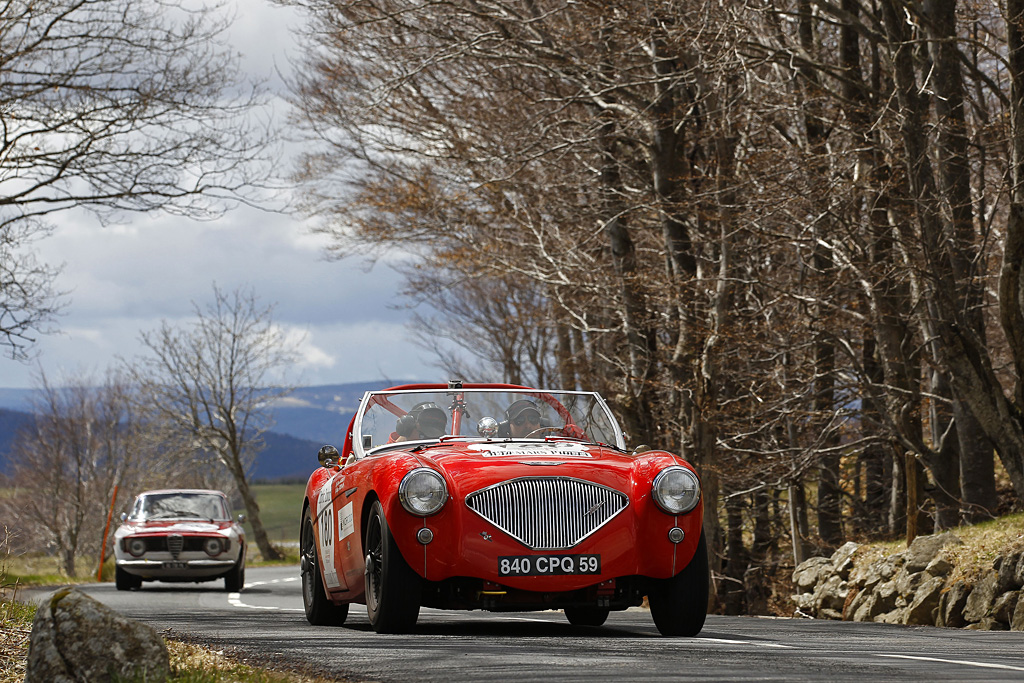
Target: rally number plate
(175,565)
(548,565)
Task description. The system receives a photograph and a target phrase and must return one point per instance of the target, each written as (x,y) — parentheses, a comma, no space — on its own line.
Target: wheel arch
(364,517)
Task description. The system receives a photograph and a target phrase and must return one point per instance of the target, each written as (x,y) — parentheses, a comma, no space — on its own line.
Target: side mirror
(241,518)
(124,516)
(328,456)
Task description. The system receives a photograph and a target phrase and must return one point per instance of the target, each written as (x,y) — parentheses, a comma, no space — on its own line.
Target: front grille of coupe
(547,513)
(175,544)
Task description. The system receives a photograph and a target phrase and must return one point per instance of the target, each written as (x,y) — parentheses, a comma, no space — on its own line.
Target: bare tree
(113,106)
(84,440)
(213,382)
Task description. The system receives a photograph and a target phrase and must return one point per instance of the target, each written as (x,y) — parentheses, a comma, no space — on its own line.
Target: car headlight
(213,546)
(135,546)
(423,492)
(676,490)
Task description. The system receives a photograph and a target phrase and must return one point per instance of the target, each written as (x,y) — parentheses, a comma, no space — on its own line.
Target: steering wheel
(541,430)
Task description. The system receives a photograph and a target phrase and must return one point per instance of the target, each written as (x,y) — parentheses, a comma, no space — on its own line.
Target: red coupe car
(502,498)
(180,535)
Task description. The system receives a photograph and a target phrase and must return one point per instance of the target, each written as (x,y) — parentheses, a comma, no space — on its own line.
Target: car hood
(471,466)
(176,527)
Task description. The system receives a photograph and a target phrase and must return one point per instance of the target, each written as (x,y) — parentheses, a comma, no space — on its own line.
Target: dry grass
(15,626)
(194,663)
(982,544)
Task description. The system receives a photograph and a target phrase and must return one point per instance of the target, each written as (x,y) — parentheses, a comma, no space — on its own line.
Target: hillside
(10,422)
(309,418)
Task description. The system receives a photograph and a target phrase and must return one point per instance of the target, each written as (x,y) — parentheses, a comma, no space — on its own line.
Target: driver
(424,421)
(523,418)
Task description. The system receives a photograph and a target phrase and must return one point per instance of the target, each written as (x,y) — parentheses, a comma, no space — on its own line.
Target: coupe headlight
(136,546)
(676,490)
(423,492)
(213,546)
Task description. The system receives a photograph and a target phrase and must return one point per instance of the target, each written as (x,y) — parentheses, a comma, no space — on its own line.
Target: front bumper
(176,569)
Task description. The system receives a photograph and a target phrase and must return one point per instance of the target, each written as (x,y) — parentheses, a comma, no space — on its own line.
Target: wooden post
(910,465)
(103,548)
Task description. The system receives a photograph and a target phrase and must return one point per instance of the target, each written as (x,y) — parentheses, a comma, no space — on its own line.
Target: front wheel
(586,616)
(125,581)
(392,587)
(679,605)
(320,611)
(234,580)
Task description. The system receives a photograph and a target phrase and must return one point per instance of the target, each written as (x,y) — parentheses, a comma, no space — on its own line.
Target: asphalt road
(266,622)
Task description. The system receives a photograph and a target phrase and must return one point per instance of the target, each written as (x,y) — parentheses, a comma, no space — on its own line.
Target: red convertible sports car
(502,498)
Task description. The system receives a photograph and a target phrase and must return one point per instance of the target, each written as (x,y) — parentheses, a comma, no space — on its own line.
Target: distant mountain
(10,422)
(16,399)
(285,459)
(306,420)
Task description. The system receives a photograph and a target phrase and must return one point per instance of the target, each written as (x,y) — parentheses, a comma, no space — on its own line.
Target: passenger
(425,421)
(523,418)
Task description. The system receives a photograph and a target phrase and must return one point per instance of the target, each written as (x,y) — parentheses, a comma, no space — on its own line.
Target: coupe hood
(178,527)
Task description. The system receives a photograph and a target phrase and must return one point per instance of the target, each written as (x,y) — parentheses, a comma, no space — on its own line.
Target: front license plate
(175,565)
(548,565)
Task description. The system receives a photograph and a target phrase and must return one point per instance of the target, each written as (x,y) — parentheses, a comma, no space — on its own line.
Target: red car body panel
(633,543)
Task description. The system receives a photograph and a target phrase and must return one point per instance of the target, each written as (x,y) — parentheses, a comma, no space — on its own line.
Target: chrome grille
(547,513)
(175,543)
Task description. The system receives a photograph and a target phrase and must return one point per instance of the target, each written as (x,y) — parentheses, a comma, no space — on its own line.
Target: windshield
(179,506)
(387,417)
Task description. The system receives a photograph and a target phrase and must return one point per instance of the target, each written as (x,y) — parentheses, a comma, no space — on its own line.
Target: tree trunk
(252,512)
(977,472)
(944,462)
(798,524)
(958,348)
(733,589)
(634,311)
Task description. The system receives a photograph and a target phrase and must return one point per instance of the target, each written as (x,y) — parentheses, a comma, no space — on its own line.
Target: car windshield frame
(583,416)
(179,505)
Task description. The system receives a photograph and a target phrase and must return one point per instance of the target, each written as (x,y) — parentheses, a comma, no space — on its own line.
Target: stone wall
(911,587)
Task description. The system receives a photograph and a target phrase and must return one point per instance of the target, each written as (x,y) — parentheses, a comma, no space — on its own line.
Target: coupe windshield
(179,506)
(395,416)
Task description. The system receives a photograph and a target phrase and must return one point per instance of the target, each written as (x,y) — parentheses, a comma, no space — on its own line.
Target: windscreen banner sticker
(325,519)
(346,525)
(531,450)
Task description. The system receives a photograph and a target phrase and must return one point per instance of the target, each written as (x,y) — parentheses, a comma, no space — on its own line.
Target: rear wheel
(392,587)
(586,616)
(679,605)
(320,611)
(125,581)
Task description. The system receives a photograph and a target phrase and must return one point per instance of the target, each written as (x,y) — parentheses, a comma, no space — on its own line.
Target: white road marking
(742,642)
(235,599)
(964,662)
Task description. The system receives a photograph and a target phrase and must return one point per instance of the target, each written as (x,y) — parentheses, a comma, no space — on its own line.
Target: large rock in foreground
(76,639)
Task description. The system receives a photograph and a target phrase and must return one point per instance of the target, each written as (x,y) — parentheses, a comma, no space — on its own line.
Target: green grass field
(280,507)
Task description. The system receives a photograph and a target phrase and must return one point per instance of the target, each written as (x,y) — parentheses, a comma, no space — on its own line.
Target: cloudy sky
(125,279)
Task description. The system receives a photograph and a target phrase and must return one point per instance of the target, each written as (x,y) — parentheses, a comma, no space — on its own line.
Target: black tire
(587,616)
(125,581)
(320,611)
(679,605)
(392,587)
(234,580)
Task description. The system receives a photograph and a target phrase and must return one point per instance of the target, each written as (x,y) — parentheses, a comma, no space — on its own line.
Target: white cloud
(125,279)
